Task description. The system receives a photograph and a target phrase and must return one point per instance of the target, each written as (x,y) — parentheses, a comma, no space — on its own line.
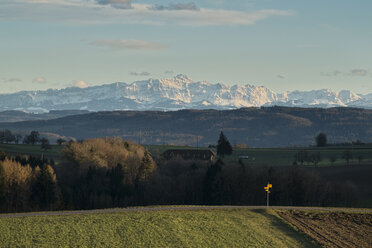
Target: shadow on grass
(286,228)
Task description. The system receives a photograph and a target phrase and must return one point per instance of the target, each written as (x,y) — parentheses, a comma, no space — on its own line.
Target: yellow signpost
(267,189)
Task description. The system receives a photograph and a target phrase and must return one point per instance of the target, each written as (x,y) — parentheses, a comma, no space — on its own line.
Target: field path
(162,208)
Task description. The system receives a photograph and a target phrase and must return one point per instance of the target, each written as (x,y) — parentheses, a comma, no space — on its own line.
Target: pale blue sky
(281,44)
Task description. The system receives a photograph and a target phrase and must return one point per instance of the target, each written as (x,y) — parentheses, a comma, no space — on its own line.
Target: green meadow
(256,156)
(34,150)
(286,156)
(165,228)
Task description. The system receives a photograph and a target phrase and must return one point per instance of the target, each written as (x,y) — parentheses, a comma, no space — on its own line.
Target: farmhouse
(189,154)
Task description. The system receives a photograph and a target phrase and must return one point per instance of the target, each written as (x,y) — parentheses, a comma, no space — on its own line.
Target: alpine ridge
(180,92)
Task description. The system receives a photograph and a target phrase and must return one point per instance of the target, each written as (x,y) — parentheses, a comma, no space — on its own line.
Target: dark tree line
(110,172)
(23,188)
(236,184)
(308,157)
(6,136)
(32,161)
(33,138)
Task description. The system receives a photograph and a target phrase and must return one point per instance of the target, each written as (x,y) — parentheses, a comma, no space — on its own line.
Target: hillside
(15,115)
(165,228)
(256,127)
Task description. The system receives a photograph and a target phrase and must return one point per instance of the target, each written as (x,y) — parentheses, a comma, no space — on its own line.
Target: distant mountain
(176,93)
(256,127)
(15,115)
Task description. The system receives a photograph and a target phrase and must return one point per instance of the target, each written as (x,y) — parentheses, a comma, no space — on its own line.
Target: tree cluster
(304,156)
(32,139)
(307,157)
(6,136)
(111,172)
(105,172)
(181,182)
(32,161)
(23,188)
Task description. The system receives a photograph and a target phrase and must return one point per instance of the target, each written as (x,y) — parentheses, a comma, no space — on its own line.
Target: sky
(280,44)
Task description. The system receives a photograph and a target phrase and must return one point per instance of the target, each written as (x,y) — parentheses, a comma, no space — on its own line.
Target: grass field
(257,156)
(35,150)
(166,228)
(284,156)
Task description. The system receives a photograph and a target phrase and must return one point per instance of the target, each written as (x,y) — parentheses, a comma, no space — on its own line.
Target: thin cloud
(75,3)
(11,80)
(211,17)
(354,73)
(169,72)
(130,45)
(331,74)
(280,76)
(39,80)
(144,73)
(119,4)
(177,6)
(359,72)
(336,73)
(125,12)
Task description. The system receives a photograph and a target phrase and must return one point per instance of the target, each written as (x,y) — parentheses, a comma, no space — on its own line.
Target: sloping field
(333,229)
(165,228)
(34,150)
(256,156)
(362,155)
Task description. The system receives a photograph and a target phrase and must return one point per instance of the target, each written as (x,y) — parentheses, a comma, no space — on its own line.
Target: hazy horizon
(283,45)
(82,85)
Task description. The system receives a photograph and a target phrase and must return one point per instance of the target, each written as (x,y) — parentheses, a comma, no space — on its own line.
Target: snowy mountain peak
(348,96)
(175,93)
(183,78)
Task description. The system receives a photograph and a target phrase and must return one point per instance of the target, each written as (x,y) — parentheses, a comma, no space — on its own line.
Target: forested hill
(256,127)
(15,116)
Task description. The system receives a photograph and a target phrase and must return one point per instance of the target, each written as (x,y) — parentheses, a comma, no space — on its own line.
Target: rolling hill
(256,127)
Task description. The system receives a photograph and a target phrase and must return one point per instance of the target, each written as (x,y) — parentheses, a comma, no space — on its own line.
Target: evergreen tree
(45,145)
(2,186)
(45,189)
(223,146)
(117,188)
(2,138)
(213,184)
(146,167)
(321,140)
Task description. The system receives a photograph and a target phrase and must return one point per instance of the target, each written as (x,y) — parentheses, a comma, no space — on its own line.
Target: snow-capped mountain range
(179,92)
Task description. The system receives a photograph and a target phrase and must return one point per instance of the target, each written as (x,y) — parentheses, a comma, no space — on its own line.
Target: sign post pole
(267,189)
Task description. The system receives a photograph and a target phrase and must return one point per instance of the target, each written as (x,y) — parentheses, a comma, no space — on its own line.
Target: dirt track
(161,208)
